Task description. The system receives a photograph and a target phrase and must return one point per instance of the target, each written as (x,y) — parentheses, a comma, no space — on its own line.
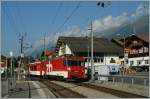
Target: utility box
(103,70)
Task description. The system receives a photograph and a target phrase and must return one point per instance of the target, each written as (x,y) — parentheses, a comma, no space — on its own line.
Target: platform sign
(126,55)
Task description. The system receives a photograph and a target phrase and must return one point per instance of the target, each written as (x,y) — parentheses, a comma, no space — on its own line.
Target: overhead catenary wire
(66,20)
(130,23)
(57,11)
(21,19)
(10,20)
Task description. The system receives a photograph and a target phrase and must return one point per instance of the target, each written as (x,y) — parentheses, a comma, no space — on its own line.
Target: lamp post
(11,70)
(19,69)
(88,50)
(6,69)
(11,54)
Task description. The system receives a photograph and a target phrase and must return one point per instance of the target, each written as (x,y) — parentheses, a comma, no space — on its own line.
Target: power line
(12,18)
(78,5)
(58,9)
(5,9)
(21,19)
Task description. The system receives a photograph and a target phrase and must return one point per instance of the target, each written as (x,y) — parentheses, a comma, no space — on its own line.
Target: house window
(98,59)
(146,49)
(141,50)
(112,60)
(134,42)
(101,60)
(131,63)
(95,59)
(86,60)
(146,62)
(138,62)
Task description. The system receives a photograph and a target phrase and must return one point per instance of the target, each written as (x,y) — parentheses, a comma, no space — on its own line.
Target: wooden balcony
(138,55)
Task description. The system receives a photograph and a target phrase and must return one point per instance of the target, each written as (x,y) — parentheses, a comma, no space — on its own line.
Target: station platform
(27,89)
(135,89)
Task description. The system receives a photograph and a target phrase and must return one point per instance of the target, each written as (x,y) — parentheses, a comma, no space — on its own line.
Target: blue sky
(39,18)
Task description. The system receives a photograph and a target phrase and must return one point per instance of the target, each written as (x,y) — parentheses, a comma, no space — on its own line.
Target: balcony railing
(138,55)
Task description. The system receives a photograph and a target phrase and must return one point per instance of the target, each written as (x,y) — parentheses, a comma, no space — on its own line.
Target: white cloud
(99,25)
(140,10)
(110,22)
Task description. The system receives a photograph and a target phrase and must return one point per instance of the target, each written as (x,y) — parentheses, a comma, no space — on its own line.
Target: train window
(66,63)
(73,63)
(146,62)
(82,63)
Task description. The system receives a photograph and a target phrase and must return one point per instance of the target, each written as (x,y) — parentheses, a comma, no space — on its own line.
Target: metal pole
(6,69)
(88,56)
(132,81)
(21,51)
(19,70)
(92,68)
(44,48)
(11,67)
(44,41)
(11,82)
(124,51)
(145,82)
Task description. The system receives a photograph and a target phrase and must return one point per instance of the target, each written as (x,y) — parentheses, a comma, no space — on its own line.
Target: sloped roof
(80,44)
(142,36)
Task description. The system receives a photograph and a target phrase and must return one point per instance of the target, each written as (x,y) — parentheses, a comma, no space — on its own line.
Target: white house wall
(108,58)
(107,62)
(60,51)
(66,50)
(135,59)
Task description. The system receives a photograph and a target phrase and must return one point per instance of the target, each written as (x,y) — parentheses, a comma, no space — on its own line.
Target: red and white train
(62,67)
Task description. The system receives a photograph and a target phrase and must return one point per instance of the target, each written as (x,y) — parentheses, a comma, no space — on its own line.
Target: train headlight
(69,69)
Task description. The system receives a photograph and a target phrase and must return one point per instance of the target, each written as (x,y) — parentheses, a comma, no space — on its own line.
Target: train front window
(73,63)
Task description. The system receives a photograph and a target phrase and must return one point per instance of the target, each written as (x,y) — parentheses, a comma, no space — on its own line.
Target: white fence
(138,80)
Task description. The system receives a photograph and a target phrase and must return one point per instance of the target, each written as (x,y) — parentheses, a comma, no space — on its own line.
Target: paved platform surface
(26,89)
(136,89)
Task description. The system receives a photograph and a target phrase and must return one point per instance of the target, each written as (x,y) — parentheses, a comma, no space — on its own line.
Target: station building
(105,52)
(136,50)
(3,63)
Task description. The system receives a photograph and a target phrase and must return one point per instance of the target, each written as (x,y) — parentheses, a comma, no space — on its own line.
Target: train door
(48,67)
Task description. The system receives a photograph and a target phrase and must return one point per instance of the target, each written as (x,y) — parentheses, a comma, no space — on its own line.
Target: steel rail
(60,91)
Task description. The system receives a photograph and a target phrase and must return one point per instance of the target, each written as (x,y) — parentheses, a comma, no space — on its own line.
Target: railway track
(115,92)
(63,92)
(60,91)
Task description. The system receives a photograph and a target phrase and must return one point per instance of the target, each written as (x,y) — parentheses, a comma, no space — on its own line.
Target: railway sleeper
(62,92)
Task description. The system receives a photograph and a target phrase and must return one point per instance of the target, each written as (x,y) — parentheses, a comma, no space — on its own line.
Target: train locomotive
(66,68)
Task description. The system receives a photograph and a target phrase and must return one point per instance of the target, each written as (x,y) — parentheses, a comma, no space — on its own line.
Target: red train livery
(63,67)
